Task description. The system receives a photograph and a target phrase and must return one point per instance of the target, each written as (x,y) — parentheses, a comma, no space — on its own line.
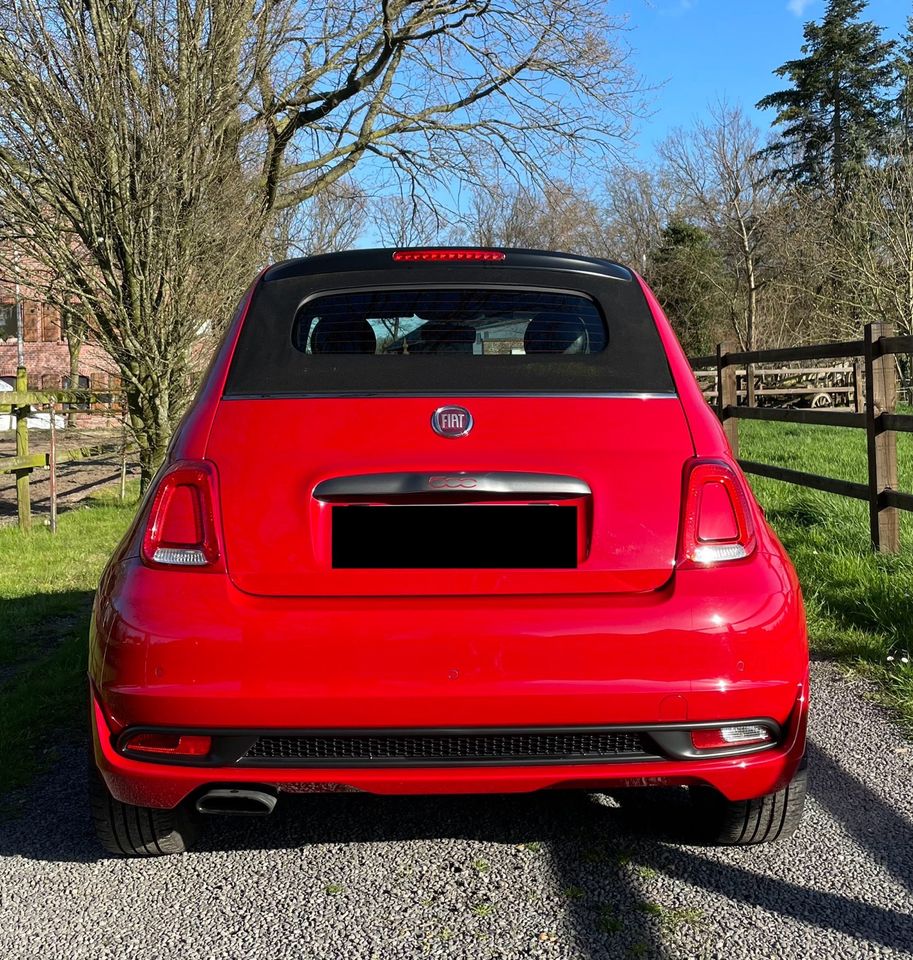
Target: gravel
(547,876)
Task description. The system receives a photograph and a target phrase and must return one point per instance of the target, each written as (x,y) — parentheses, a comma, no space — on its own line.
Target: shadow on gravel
(876,827)
(597,849)
(827,911)
(879,830)
(588,844)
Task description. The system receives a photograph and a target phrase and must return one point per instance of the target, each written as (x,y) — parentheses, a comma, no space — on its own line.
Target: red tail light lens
(726,738)
(716,520)
(169,744)
(440,255)
(181,530)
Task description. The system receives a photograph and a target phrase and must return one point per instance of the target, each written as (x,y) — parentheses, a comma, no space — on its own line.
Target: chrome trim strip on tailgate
(423,394)
(396,484)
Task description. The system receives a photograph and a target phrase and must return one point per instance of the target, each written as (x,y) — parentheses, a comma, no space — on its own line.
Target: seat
(343,335)
(556,333)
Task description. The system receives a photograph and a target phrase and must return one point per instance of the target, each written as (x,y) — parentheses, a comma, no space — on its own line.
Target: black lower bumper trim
(448,747)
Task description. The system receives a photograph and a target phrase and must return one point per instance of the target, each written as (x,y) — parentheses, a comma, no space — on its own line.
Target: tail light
(717,523)
(181,529)
(168,744)
(439,255)
(730,737)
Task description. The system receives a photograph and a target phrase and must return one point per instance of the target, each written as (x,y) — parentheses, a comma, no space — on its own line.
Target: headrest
(556,333)
(443,337)
(343,335)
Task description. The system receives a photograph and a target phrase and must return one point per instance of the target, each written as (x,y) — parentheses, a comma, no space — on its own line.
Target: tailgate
(359,497)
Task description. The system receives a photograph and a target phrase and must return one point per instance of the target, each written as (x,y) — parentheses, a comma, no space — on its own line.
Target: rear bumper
(714,645)
(166,785)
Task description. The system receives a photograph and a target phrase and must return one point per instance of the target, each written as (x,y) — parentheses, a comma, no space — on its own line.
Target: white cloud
(798,7)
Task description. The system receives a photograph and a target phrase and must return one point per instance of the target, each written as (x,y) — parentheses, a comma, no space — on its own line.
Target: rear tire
(130,831)
(742,823)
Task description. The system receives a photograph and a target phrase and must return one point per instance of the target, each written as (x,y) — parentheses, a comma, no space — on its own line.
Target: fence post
(52,463)
(881,397)
(22,450)
(727,392)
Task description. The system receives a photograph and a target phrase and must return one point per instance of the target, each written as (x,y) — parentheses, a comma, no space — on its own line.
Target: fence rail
(876,415)
(20,403)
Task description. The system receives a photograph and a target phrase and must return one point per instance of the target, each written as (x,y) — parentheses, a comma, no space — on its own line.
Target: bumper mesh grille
(449,748)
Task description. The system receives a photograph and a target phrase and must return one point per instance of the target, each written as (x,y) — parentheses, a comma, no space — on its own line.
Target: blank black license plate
(447,537)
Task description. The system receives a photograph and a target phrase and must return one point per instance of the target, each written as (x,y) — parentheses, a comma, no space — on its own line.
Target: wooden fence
(877,416)
(20,403)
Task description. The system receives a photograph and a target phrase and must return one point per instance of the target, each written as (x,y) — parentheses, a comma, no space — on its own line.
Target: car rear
(447,521)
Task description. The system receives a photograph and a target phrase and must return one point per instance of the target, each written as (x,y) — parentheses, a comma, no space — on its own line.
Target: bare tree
(875,251)
(560,216)
(147,145)
(638,206)
(434,91)
(119,173)
(333,219)
(403,221)
(724,180)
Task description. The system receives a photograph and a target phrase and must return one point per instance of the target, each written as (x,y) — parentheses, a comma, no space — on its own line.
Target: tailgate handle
(398,484)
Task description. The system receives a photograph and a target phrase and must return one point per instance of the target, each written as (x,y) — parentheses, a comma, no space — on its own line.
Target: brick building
(47,356)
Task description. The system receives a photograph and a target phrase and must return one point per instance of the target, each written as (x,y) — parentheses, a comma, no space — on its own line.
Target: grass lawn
(46,586)
(860,605)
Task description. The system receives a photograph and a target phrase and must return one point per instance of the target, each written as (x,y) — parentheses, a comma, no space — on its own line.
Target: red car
(446,521)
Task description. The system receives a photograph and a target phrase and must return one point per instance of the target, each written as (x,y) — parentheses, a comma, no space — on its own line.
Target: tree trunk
(151,428)
(74,346)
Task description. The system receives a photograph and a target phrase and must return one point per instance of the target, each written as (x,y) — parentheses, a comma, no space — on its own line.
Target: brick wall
(49,363)
(47,357)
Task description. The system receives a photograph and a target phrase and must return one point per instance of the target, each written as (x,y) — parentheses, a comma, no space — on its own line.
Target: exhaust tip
(236,802)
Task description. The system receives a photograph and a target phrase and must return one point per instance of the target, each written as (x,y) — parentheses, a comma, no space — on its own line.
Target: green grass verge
(46,586)
(860,604)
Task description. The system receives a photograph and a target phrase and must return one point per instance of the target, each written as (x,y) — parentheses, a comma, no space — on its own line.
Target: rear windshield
(469,322)
(524,332)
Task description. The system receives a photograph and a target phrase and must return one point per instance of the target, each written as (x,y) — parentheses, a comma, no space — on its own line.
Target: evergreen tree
(691,282)
(905,92)
(836,112)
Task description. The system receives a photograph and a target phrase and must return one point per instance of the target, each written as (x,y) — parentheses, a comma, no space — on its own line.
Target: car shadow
(51,826)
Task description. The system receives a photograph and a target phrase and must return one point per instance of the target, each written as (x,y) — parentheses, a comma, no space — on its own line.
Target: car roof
(382,258)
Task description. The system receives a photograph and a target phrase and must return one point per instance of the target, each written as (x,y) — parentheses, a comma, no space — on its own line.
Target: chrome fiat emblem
(451,422)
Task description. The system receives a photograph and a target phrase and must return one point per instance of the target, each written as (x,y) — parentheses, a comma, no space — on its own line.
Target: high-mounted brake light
(716,516)
(181,528)
(440,255)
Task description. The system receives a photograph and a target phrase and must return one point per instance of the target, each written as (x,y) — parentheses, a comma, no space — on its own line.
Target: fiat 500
(446,521)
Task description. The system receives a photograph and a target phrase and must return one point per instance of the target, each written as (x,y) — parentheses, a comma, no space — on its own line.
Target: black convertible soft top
(271,359)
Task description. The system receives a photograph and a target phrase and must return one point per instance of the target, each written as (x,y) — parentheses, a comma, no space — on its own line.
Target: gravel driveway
(544,876)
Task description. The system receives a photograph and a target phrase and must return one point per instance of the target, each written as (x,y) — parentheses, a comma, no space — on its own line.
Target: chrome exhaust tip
(237,802)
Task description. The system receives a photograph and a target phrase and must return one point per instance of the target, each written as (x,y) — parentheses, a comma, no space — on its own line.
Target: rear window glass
(422,332)
(471,322)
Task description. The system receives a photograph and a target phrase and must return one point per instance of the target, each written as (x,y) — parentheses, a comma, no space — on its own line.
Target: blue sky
(707,49)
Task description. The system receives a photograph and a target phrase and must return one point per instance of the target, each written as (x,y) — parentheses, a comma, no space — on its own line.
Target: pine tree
(905,91)
(836,112)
